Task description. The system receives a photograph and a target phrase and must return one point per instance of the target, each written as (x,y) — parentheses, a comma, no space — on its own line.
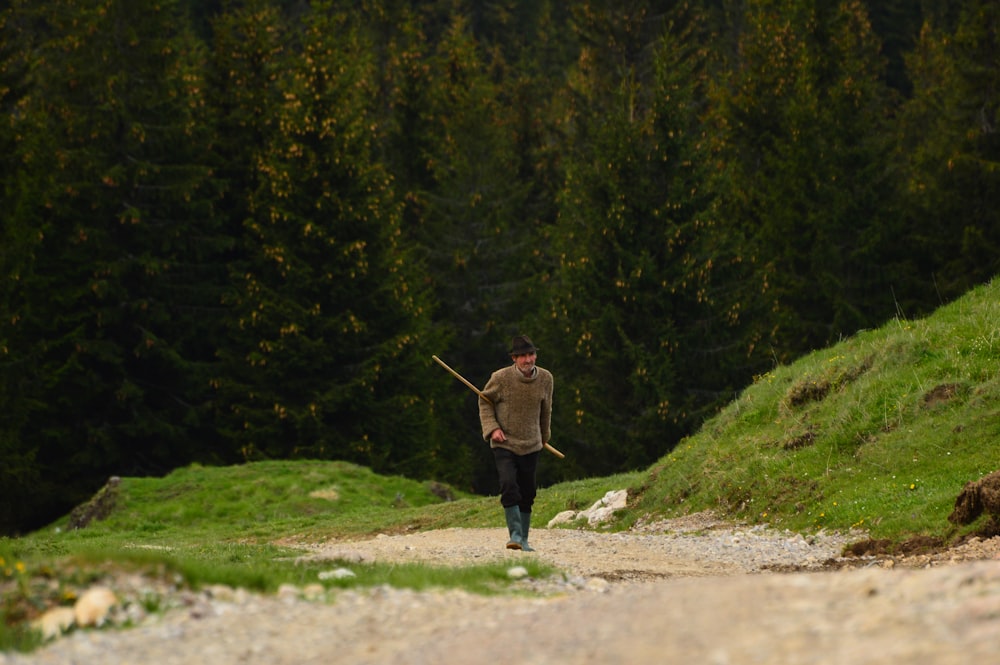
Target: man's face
(525,362)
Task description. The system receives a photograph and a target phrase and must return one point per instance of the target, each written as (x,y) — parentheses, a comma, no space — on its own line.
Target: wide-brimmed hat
(521,345)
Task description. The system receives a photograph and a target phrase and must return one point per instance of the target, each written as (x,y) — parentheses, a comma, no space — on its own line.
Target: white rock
(347,556)
(616,499)
(565,517)
(93,606)
(602,514)
(338,574)
(605,507)
(288,592)
(517,572)
(601,511)
(597,585)
(313,591)
(222,592)
(55,622)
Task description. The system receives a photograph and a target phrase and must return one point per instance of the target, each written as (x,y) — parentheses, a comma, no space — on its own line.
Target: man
(517,422)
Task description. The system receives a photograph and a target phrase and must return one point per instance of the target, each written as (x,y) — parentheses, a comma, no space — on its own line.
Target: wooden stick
(462,379)
(484,397)
(554,451)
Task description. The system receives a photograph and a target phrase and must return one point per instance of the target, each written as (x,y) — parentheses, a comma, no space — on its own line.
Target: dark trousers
(517,478)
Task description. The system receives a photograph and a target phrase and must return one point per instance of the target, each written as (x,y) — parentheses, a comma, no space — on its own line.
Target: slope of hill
(880,431)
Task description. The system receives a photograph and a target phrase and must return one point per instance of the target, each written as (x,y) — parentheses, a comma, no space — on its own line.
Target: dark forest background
(239,230)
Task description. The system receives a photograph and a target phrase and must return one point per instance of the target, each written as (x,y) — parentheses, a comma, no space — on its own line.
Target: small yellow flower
(912,486)
(20,566)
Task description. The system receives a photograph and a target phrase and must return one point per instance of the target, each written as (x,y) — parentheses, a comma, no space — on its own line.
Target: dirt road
(695,592)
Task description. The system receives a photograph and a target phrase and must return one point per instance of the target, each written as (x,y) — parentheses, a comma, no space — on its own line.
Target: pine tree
(331,347)
(472,157)
(110,284)
(243,92)
(897,24)
(627,311)
(800,123)
(249,40)
(453,152)
(471,224)
(949,155)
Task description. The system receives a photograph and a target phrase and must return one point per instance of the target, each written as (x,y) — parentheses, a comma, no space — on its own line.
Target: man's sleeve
(487,412)
(545,415)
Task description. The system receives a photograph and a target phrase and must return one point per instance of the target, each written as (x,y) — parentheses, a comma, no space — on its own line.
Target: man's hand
(497,436)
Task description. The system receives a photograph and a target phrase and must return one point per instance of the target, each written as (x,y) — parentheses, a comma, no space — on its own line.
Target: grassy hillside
(244,526)
(879,432)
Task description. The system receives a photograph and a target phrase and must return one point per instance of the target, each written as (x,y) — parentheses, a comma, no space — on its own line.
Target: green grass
(244,526)
(879,432)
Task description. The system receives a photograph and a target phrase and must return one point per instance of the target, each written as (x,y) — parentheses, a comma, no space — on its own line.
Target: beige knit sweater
(521,407)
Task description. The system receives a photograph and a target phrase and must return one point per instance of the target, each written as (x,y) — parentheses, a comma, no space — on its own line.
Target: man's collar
(534,372)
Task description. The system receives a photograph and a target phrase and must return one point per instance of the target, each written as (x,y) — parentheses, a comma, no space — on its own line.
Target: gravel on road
(688,590)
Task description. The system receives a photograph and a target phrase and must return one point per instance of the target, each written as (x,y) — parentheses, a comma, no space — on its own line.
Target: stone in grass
(601,511)
(55,622)
(91,609)
(517,572)
(338,574)
(93,606)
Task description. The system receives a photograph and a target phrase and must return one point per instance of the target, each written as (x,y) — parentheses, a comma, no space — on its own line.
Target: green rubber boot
(525,525)
(513,515)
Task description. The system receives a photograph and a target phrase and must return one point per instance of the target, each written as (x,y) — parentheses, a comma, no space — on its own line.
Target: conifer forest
(238,230)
